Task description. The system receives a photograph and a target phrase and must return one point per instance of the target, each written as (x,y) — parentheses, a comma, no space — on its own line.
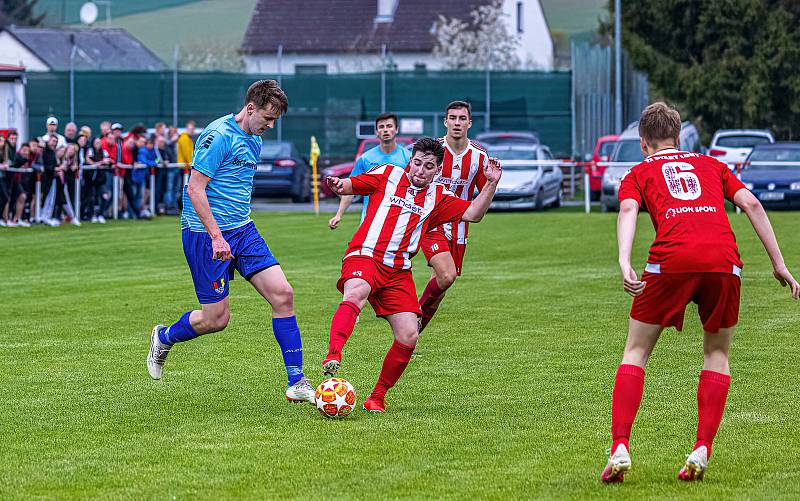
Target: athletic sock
(625,400)
(712,392)
(394,364)
(429,302)
(344,320)
(287,333)
(178,332)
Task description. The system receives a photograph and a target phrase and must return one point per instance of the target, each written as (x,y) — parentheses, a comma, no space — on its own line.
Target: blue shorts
(211,276)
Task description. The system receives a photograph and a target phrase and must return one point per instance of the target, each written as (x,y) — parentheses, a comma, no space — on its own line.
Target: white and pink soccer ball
(336,398)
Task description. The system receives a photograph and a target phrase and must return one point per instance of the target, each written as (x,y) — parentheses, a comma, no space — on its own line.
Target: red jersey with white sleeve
(462,174)
(398,214)
(685,195)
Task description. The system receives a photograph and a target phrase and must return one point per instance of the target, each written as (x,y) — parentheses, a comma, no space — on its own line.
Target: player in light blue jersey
(219,237)
(387,152)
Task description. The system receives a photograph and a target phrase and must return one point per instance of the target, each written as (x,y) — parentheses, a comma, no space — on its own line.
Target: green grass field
(509,399)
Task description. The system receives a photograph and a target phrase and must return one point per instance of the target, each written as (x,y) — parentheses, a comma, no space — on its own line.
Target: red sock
(393,366)
(429,302)
(344,320)
(625,400)
(712,392)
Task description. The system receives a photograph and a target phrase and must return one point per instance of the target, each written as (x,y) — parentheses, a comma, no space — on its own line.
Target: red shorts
(665,297)
(393,290)
(435,242)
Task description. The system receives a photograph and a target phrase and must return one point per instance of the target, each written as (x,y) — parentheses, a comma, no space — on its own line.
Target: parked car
(602,153)
(343,170)
(766,174)
(523,185)
(282,172)
(507,138)
(628,150)
(733,145)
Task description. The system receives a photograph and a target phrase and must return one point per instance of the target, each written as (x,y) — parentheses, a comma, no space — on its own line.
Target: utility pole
(618,65)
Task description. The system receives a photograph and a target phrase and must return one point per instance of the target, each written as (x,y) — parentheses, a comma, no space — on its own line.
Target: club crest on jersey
(219,285)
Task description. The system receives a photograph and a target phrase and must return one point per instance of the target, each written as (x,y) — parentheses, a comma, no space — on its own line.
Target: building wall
(13,111)
(336,63)
(14,53)
(536,47)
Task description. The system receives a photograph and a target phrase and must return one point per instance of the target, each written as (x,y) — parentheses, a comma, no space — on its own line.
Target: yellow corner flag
(313,157)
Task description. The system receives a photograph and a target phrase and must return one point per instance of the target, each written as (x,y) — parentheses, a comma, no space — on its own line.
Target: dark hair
(12,133)
(459,104)
(386,116)
(266,92)
(659,122)
(429,145)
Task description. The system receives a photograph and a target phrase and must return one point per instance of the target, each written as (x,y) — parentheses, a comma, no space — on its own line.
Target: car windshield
(748,141)
(774,155)
(276,150)
(606,148)
(512,153)
(627,151)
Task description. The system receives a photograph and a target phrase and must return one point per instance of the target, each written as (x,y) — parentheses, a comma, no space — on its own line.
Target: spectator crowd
(56,161)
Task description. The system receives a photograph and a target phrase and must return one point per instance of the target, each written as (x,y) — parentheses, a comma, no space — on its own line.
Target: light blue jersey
(228,155)
(375,157)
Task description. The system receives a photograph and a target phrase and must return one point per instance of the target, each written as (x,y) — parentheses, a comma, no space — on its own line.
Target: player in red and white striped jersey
(403,204)
(462,173)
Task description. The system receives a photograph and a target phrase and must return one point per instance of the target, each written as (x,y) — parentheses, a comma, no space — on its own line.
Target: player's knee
(219,320)
(408,336)
(283,297)
(445,278)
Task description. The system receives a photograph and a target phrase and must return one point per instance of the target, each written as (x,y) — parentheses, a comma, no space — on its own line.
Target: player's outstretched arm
(746,201)
(477,209)
(626,230)
(340,186)
(344,202)
(197,194)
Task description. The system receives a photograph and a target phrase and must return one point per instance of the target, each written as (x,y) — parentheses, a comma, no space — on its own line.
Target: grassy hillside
(574,17)
(67,11)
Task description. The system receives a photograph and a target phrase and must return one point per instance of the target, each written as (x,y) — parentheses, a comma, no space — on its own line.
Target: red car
(602,153)
(344,170)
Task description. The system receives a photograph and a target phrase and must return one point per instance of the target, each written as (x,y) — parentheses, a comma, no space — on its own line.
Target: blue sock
(180,331)
(287,333)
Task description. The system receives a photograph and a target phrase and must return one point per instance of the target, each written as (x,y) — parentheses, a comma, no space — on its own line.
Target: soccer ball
(335,398)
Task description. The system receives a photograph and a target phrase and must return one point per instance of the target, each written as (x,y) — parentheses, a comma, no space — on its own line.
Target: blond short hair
(660,122)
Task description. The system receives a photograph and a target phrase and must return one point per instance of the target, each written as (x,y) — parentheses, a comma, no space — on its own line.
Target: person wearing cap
(52,130)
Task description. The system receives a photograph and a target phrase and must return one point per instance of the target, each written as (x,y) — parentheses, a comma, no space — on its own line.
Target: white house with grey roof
(323,36)
(99,49)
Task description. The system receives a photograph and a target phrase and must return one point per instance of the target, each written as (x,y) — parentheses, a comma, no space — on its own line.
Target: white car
(733,145)
(531,179)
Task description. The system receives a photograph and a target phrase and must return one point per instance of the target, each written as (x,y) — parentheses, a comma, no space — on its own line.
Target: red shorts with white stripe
(665,297)
(435,242)
(393,290)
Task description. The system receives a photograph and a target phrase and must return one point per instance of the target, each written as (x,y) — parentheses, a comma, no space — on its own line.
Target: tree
(19,12)
(482,43)
(728,63)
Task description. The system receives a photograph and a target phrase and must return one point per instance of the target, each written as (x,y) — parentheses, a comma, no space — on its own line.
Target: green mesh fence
(326,106)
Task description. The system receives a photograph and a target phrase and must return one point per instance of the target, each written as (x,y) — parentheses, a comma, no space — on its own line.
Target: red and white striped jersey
(398,214)
(462,174)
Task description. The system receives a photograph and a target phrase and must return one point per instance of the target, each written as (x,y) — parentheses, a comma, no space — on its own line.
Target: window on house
(520,20)
(311,69)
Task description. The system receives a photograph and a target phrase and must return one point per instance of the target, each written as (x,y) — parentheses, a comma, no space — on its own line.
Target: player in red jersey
(694,258)
(462,173)
(403,204)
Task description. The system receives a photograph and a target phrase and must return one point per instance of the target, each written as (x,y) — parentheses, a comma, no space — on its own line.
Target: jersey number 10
(681,182)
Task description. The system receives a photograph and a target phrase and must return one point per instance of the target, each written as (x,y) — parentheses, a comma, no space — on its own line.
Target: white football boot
(696,464)
(158,354)
(301,391)
(619,463)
